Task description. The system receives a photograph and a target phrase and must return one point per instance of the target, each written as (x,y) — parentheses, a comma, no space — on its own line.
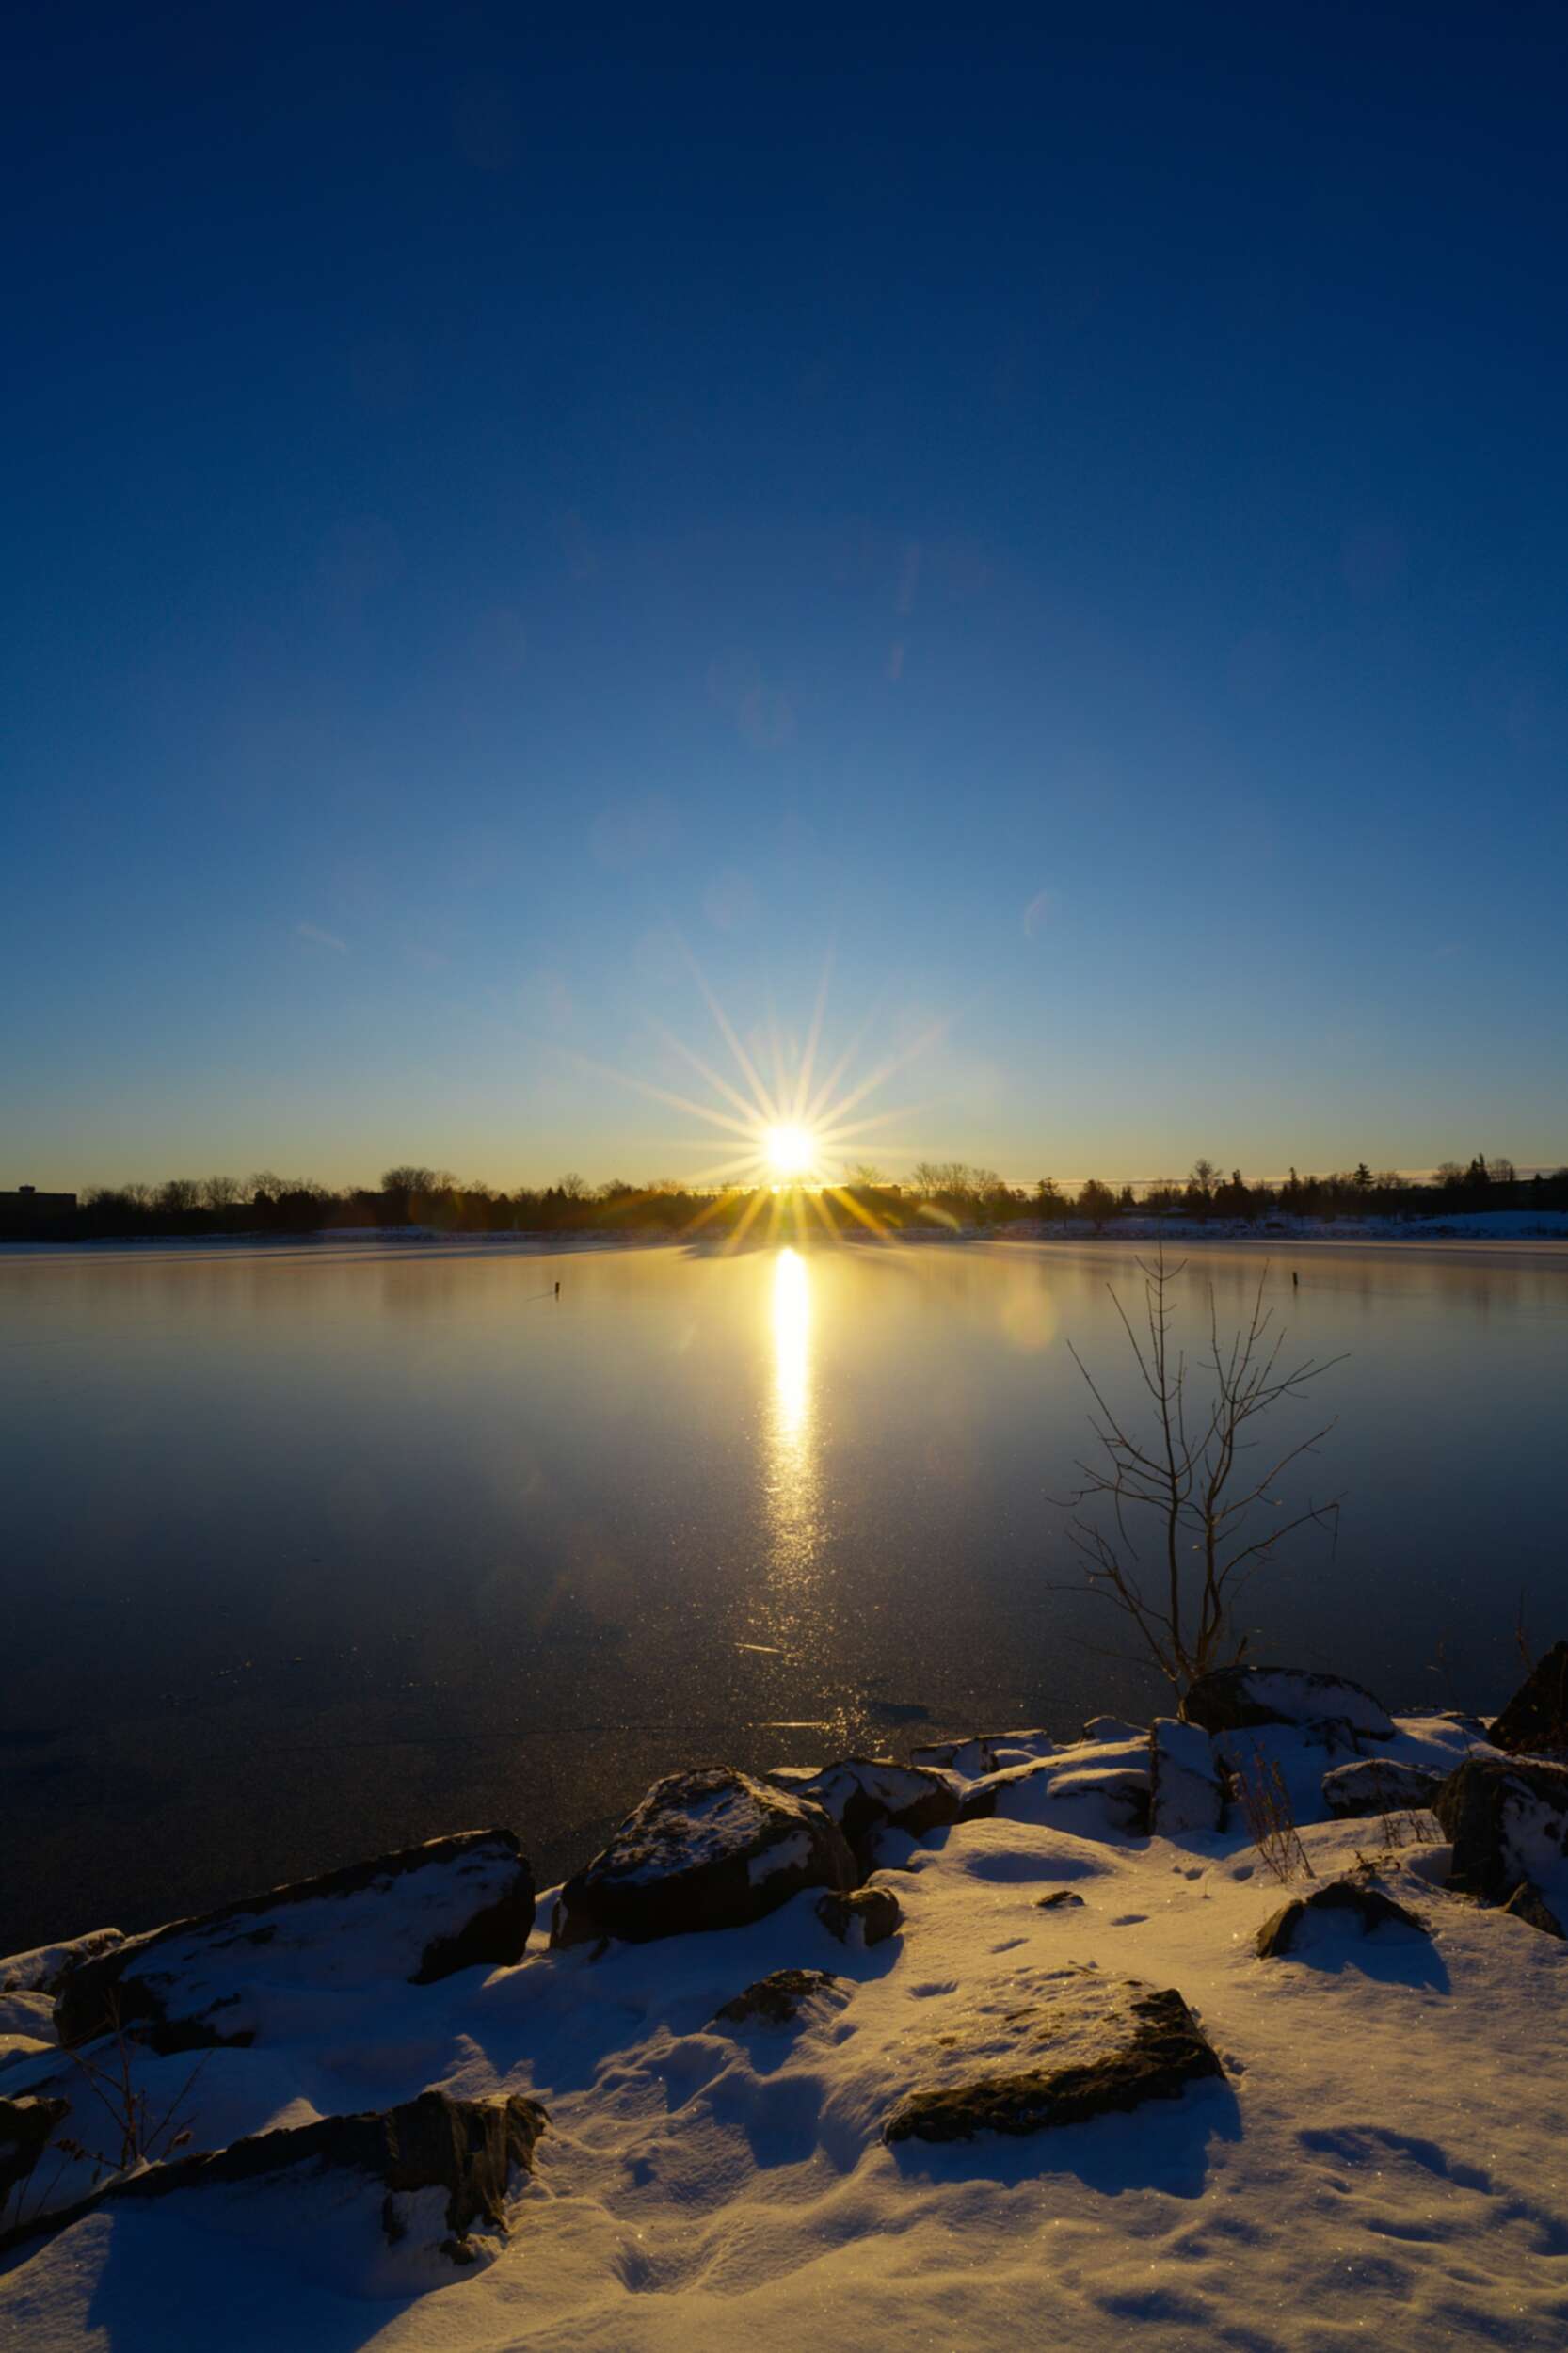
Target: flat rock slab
(1048,2049)
(1376,1784)
(388,2202)
(866,1916)
(1535,1721)
(1508,1819)
(1234,1698)
(1342,1904)
(418,1915)
(709,1849)
(777,1999)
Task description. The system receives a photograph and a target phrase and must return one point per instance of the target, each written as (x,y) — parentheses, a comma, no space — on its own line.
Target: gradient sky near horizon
(1067,525)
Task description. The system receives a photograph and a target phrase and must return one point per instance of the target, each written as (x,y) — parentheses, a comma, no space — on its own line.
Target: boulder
(1377,1785)
(1342,1903)
(776,2000)
(1508,1819)
(1047,2049)
(387,2202)
(26,2127)
(1186,1793)
(983,1752)
(456,1903)
(1111,1728)
(866,1795)
(1058,1899)
(707,1849)
(1535,1721)
(866,1916)
(1100,1790)
(1234,1698)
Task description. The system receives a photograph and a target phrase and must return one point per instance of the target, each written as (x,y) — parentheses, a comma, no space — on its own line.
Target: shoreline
(1225,2007)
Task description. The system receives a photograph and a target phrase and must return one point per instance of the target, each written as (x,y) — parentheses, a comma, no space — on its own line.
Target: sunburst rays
(786,1140)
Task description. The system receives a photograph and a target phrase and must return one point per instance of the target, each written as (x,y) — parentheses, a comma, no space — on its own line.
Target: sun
(792,1153)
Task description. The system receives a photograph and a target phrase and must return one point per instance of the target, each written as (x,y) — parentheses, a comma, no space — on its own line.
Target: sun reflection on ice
(792,1350)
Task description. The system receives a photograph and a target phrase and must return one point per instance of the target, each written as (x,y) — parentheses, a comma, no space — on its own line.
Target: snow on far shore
(1380,2161)
(1502,1225)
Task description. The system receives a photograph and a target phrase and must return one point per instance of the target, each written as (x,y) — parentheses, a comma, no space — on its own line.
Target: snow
(1382,2161)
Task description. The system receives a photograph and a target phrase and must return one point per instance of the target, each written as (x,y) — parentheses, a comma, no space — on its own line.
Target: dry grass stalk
(1271,1818)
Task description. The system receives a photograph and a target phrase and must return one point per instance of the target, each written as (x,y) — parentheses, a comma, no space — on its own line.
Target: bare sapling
(1174,1521)
(1271,1818)
(132,2129)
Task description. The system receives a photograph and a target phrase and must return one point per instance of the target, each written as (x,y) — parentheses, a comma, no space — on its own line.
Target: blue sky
(1069,523)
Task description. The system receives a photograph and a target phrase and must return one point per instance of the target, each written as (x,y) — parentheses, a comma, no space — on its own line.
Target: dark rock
(1348,1902)
(1376,1784)
(1058,1897)
(1234,1698)
(1529,1904)
(708,1849)
(473,2150)
(867,1916)
(1535,1721)
(776,2000)
(1054,2049)
(1500,1811)
(1186,1793)
(454,1903)
(25,2126)
(865,1794)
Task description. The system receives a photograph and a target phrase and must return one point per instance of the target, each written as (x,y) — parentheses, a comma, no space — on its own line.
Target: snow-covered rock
(379,2204)
(45,1969)
(1377,1785)
(985,1752)
(1535,1721)
(421,1913)
(868,1794)
(1186,1791)
(778,1999)
(1353,1905)
(1047,2049)
(1233,1698)
(709,1849)
(1100,1790)
(1508,1819)
(1111,1728)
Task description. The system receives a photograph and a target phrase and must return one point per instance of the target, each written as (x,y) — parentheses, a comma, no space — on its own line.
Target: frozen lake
(314,1551)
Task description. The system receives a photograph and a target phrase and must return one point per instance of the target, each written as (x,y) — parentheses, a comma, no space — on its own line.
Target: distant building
(26,1201)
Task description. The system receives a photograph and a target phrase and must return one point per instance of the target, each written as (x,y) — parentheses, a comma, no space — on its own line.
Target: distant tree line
(935,1194)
